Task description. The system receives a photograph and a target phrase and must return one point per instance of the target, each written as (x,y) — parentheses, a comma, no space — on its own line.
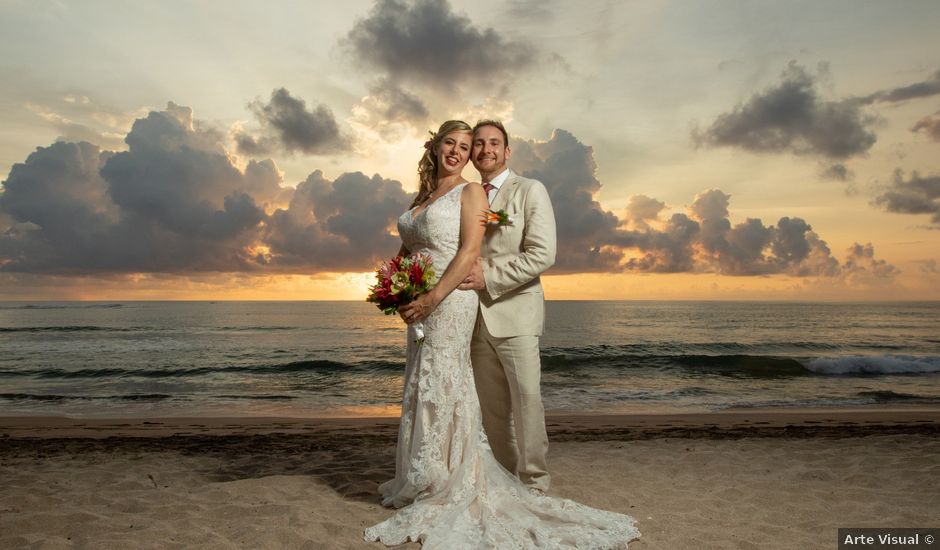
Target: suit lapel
(505,191)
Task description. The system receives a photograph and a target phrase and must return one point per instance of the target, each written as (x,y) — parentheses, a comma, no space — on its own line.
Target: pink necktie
(488,187)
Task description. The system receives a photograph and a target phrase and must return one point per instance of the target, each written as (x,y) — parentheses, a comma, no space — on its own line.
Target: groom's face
(489,154)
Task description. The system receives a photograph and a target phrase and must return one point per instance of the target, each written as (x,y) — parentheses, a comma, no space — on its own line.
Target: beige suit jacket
(513,304)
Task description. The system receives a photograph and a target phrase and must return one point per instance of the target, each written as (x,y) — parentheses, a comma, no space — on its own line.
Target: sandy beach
(746,478)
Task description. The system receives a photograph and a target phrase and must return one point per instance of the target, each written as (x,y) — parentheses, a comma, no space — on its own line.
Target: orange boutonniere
(498,217)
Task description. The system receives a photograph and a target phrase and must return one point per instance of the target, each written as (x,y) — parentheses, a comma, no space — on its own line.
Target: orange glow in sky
(130,175)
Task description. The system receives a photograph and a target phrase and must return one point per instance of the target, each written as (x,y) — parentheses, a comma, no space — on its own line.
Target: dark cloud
(586,232)
(176,203)
(250,145)
(926,88)
(838,172)
(288,125)
(424,42)
(667,250)
(918,195)
(792,117)
(173,202)
(58,207)
(591,238)
(930,126)
(750,248)
(336,225)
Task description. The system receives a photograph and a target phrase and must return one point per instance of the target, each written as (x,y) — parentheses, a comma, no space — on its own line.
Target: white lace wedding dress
(451,492)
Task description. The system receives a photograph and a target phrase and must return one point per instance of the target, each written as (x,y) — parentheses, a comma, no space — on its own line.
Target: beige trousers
(507,373)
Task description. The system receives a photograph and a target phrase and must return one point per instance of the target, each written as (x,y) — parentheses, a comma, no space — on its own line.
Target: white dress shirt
(497,182)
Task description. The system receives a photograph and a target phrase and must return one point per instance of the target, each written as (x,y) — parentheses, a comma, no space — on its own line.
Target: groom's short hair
(496,124)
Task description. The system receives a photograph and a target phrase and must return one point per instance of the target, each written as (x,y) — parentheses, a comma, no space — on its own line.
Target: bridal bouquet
(401,280)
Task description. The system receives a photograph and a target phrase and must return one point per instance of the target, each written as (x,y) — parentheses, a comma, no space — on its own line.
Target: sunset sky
(248,150)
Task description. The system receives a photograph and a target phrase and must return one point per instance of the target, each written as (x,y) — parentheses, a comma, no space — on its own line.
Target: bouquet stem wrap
(419,332)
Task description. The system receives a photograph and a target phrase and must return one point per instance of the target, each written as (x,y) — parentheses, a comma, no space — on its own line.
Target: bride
(450,491)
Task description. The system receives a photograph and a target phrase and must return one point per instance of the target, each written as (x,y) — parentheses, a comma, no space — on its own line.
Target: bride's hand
(419,309)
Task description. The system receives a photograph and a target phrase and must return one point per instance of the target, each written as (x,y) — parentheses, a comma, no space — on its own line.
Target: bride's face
(453,152)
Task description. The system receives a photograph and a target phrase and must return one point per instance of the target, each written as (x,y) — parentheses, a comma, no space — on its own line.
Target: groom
(505,346)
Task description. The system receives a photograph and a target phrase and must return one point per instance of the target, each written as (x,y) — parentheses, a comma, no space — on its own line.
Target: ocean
(306,359)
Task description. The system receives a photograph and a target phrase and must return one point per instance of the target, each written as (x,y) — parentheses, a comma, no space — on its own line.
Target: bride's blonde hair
(427,166)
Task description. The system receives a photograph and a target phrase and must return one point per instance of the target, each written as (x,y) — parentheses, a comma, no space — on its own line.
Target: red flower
(416,274)
(406,276)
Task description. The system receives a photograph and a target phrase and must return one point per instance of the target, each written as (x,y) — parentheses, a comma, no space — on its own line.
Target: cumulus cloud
(287,125)
(917,195)
(792,117)
(702,239)
(586,232)
(930,126)
(641,209)
(670,249)
(175,202)
(58,208)
(861,266)
(425,42)
(336,225)
(751,248)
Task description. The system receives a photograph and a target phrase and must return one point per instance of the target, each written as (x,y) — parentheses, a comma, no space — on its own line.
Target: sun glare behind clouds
(768,165)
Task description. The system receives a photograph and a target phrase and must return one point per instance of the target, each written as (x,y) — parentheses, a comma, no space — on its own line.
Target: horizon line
(780,300)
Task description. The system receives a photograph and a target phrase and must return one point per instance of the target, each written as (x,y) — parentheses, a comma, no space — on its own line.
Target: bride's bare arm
(473,204)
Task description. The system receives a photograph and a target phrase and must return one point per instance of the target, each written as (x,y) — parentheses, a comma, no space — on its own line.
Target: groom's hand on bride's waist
(474,280)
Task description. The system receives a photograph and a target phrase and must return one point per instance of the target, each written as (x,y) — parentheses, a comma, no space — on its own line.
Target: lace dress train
(450,491)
